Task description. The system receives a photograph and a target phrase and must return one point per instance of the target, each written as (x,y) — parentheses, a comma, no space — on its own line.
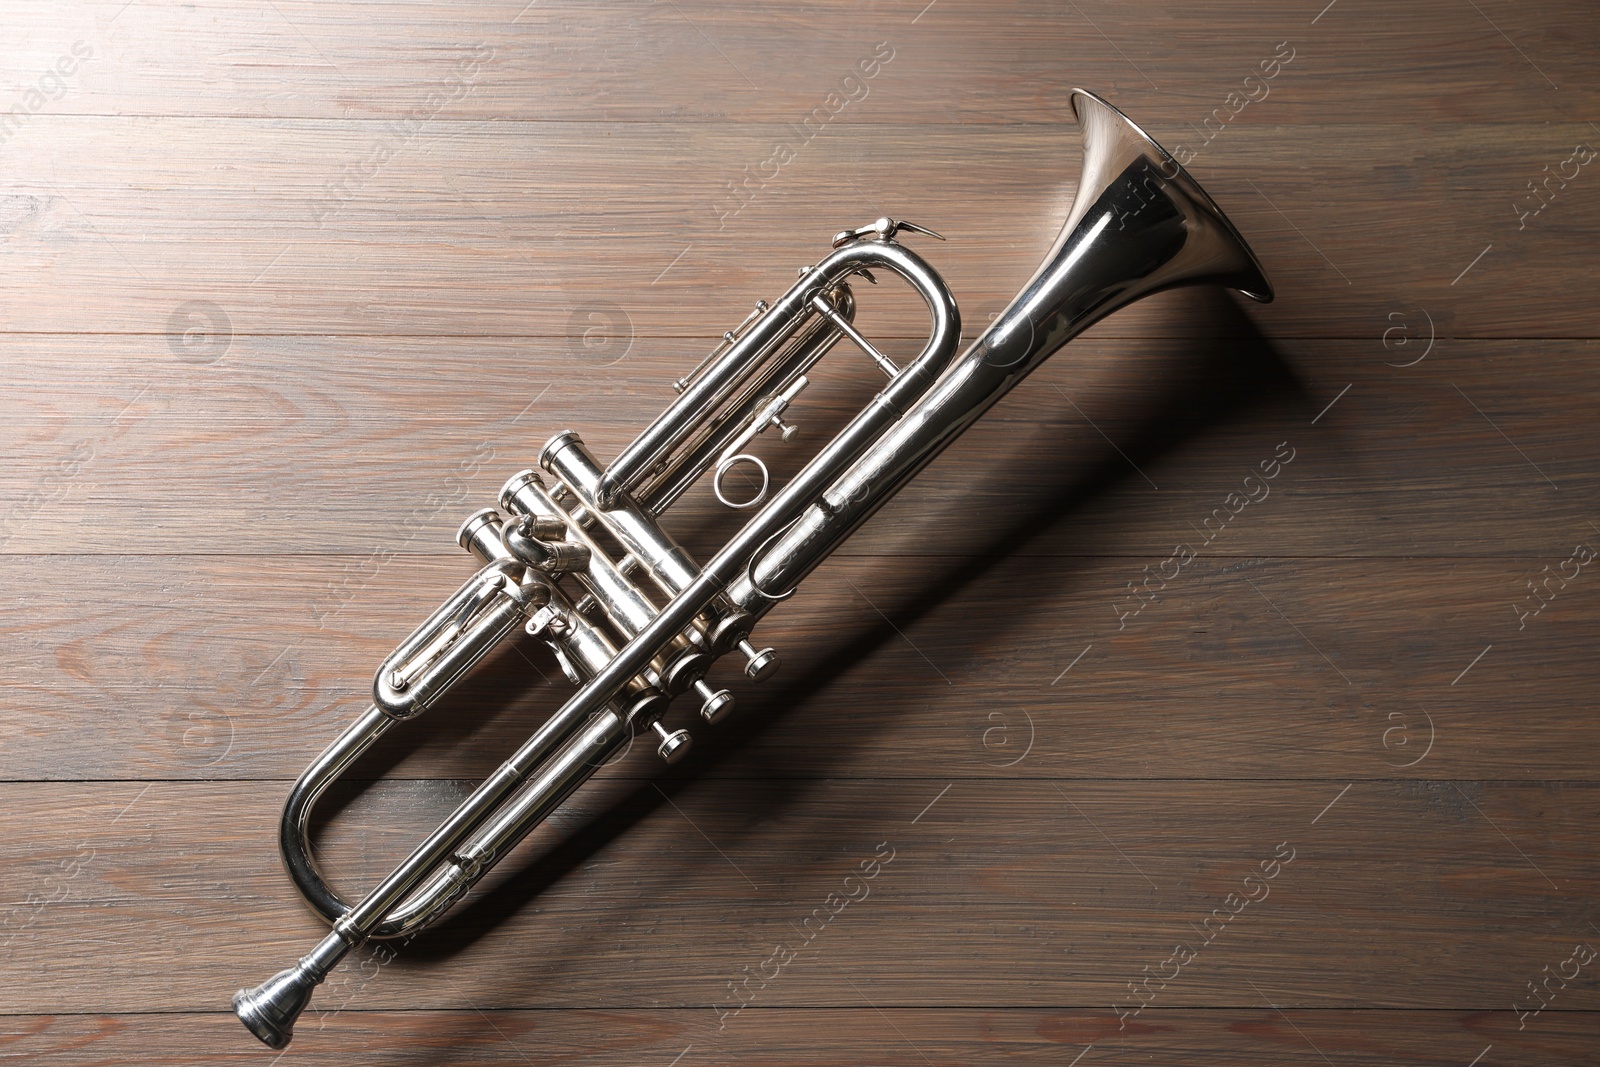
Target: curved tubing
(294,830)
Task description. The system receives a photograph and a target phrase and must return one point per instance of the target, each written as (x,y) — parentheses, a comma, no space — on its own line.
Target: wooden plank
(662,904)
(892,1036)
(780,61)
(536,221)
(1249,668)
(1114,447)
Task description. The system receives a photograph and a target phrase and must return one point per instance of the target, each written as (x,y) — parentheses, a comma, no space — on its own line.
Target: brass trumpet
(582,562)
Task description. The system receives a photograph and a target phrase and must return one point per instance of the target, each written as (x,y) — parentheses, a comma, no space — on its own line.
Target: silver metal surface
(1139,224)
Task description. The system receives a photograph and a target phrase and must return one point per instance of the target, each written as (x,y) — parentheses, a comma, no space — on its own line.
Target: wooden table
(293,286)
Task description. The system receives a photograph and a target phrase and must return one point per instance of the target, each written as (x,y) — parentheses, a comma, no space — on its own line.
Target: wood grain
(894,1037)
(291,288)
(329,445)
(509,238)
(1085,881)
(636,62)
(1246,667)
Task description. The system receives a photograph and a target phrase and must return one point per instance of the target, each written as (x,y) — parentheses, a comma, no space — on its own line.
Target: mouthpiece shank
(271,1008)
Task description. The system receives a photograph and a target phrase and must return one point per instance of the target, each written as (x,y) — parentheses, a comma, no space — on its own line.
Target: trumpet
(580,560)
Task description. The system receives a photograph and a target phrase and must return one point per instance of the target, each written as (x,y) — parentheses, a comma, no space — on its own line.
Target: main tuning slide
(576,557)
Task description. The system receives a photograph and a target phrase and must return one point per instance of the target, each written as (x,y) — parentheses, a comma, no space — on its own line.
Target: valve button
(761,662)
(718,703)
(674,746)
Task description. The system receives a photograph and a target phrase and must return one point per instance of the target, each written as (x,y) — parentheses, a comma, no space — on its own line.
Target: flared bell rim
(1256,286)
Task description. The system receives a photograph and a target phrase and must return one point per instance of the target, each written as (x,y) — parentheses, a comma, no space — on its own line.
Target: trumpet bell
(1140,202)
(1139,224)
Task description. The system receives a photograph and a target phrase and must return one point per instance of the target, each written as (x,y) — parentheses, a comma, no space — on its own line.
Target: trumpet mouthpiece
(270,1009)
